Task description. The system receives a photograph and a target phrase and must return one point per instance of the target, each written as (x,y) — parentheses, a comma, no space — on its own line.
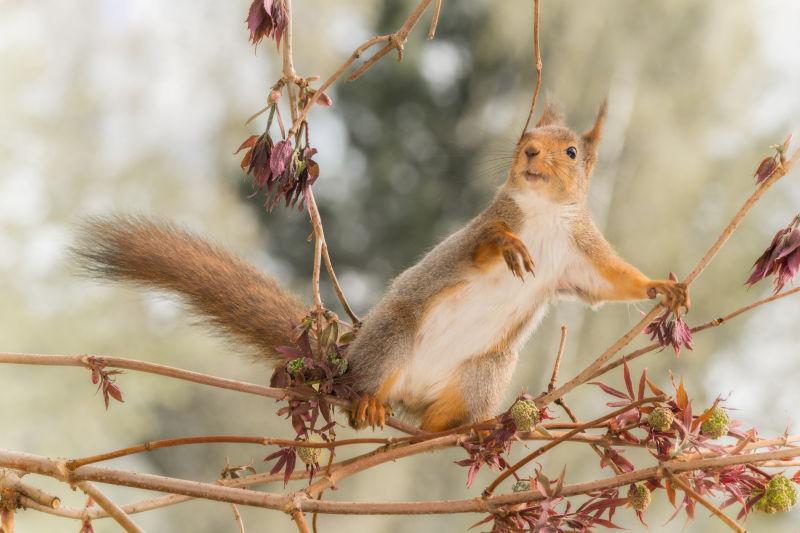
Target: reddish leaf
(248,143)
(115,393)
(642,382)
(610,390)
(766,168)
(628,381)
(655,390)
(670,492)
(681,398)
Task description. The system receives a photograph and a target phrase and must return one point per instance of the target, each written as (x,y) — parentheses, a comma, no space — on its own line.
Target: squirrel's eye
(572,152)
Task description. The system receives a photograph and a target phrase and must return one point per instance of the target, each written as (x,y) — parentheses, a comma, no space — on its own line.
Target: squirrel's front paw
(368,411)
(674,294)
(516,255)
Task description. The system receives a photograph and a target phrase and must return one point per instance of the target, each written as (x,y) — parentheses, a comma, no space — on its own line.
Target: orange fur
(497,242)
(447,411)
(625,281)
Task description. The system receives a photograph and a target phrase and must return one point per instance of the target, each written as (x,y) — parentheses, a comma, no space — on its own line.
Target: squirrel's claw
(517,257)
(368,411)
(674,294)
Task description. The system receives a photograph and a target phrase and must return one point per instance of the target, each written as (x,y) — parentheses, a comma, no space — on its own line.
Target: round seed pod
(660,418)
(780,495)
(639,497)
(521,485)
(525,414)
(716,425)
(311,456)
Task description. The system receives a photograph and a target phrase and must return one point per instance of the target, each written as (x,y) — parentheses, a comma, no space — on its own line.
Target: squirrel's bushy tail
(232,295)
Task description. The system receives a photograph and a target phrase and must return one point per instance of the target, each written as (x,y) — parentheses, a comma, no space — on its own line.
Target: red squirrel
(440,347)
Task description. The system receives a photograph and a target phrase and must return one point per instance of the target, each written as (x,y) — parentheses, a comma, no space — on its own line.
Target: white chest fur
(469,320)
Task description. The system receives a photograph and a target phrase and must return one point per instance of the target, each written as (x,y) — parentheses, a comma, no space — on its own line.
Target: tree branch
(109,506)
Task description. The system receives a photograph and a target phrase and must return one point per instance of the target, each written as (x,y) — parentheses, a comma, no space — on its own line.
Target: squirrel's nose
(532,151)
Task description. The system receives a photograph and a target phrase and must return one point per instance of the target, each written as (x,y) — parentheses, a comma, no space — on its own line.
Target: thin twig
(319,496)
(212,439)
(326,258)
(238,517)
(114,510)
(300,520)
(288,66)
(437,9)
(561,345)
(538,55)
(716,511)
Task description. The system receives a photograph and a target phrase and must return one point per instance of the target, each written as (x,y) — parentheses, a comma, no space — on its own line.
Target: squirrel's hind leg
(473,394)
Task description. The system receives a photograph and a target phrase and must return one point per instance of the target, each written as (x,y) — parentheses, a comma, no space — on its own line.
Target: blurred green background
(136,106)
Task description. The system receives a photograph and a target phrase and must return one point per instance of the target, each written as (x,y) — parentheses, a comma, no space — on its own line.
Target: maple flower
(781,258)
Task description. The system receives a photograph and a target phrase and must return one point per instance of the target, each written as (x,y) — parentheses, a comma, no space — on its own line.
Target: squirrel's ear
(592,137)
(552,115)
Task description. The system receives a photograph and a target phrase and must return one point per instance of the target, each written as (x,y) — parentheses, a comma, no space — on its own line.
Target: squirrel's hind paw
(368,411)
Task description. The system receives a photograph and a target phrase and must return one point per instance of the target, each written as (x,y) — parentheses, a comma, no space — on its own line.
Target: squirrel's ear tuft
(552,115)
(592,137)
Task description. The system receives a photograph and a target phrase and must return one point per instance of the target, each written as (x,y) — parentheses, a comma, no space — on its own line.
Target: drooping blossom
(256,160)
(267,18)
(285,171)
(669,329)
(781,258)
